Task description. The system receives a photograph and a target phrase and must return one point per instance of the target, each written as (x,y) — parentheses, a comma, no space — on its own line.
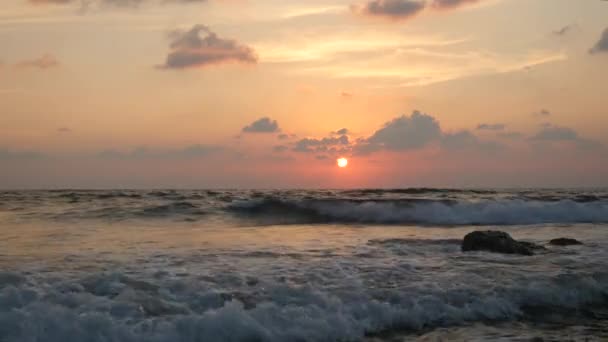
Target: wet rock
(247,299)
(564,242)
(497,242)
(251,281)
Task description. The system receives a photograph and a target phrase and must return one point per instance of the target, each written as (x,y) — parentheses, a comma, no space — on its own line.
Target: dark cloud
(136,3)
(280,148)
(45,62)
(64,130)
(466,140)
(283,136)
(263,125)
(553,133)
(45,2)
(109,3)
(450,4)
(346,95)
(458,140)
(390,9)
(329,144)
(542,112)
(197,151)
(121,3)
(406,132)
(342,131)
(189,50)
(602,45)
(563,31)
(192,151)
(491,127)
(418,131)
(6,154)
(510,135)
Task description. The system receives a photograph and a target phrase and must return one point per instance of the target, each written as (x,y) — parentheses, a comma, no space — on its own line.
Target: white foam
(499,212)
(46,312)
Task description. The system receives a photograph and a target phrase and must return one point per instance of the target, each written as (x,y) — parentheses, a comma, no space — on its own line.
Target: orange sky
(249,94)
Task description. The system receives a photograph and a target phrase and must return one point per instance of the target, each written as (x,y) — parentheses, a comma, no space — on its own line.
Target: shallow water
(299,266)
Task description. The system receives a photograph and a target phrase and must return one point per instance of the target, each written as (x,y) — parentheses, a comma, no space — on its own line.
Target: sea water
(300,265)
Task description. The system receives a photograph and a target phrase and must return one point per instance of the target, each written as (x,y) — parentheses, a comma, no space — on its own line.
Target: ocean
(300,265)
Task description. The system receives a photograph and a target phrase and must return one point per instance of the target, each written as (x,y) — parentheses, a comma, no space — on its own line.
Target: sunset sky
(269,93)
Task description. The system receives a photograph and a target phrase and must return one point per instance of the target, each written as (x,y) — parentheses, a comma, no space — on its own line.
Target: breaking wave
(375,206)
(420,211)
(113,307)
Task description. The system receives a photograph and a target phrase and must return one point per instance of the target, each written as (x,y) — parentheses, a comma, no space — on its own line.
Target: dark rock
(247,299)
(564,242)
(497,242)
(251,281)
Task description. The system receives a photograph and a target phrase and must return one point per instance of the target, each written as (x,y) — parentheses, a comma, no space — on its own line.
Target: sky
(269,93)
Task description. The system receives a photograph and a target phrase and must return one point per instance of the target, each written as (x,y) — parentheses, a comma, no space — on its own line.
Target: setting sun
(342,162)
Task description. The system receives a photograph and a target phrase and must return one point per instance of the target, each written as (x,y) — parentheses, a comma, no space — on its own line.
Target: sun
(342,162)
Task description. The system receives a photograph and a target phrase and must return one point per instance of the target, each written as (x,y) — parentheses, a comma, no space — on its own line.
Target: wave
(418,191)
(421,206)
(421,211)
(114,307)
(176,210)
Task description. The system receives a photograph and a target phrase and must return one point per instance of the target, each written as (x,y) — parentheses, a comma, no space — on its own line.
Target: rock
(246,299)
(252,281)
(564,242)
(497,242)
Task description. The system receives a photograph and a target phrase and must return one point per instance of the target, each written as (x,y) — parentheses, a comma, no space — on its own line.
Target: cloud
(563,31)
(263,125)
(342,131)
(450,4)
(108,3)
(189,50)
(466,140)
(346,95)
(6,154)
(553,133)
(418,131)
(602,45)
(45,2)
(285,136)
(398,10)
(280,148)
(510,135)
(136,3)
(197,151)
(406,132)
(491,127)
(121,3)
(542,112)
(64,130)
(45,62)
(329,144)
(458,140)
(192,151)
(390,9)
